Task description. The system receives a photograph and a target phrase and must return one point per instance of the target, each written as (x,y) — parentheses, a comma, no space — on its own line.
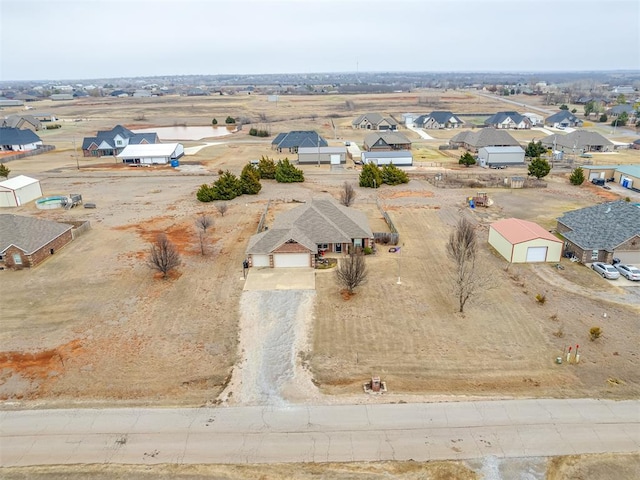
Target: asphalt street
(337,433)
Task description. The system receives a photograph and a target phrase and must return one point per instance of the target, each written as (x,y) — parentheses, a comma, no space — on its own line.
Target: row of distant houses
(507,120)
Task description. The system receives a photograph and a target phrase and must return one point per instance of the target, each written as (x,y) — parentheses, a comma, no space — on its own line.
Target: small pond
(186,133)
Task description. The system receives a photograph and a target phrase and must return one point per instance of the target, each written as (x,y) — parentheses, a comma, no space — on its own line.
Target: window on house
(594,254)
(17,259)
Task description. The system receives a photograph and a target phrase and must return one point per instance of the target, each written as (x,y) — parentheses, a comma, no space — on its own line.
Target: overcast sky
(83,39)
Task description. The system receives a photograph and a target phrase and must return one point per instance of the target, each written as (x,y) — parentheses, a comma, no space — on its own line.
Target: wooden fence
(385,237)
(263,218)
(30,153)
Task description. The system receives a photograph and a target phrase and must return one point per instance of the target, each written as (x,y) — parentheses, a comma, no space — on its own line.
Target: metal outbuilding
(520,241)
(396,157)
(317,155)
(19,190)
(149,154)
(500,156)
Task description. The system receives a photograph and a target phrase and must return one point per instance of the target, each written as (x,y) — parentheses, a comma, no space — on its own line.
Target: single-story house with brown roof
(484,137)
(297,236)
(26,241)
(386,141)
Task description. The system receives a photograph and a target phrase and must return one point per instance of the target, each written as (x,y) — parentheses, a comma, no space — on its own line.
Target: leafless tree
(203,222)
(347,194)
(222,208)
(163,255)
(352,271)
(462,250)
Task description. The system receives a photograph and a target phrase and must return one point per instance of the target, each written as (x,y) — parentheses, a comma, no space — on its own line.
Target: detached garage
(500,156)
(520,241)
(19,190)
(151,154)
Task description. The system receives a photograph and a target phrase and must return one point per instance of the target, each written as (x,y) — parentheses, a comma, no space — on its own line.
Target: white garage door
(291,260)
(335,159)
(260,260)
(7,199)
(630,257)
(536,254)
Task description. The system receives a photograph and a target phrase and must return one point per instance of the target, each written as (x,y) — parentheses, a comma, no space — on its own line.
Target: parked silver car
(628,271)
(606,270)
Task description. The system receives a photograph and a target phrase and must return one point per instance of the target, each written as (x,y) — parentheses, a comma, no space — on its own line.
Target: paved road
(433,431)
(519,104)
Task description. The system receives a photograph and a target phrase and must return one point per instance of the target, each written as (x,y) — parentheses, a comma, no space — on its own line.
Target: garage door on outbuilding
(520,241)
(19,190)
(537,254)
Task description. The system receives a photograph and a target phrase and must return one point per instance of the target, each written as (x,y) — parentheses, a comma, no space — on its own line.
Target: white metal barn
(397,157)
(19,190)
(151,154)
(520,241)
(500,156)
(316,155)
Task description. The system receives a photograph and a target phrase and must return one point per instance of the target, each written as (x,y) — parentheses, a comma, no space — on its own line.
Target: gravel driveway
(273,330)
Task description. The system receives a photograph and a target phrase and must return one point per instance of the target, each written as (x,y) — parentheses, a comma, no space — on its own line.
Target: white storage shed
(19,190)
(398,158)
(150,154)
(315,155)
(500,156)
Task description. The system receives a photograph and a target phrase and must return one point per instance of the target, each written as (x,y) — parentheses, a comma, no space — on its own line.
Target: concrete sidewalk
(336,433)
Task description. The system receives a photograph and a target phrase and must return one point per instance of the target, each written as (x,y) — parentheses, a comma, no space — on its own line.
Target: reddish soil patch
(183,235)
(39,365)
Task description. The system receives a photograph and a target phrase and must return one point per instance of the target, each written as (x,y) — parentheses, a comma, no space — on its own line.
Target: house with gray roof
(113,142)
(563,119)
(508,120)
(602,232)
(24,122)
(386,141)
(295,139)
(618,110)
(580,141)
(439,120)
(375,121)
(484,137)
(299,235)
(26,241)
(16,140)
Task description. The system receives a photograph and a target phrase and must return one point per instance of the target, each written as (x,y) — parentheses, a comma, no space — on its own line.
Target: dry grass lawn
(93,326)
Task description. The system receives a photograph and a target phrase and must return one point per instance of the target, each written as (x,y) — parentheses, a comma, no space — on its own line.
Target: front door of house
(338,247)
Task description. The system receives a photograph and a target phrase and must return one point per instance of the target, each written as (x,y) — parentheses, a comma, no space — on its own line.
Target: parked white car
(606,270)
(628,271)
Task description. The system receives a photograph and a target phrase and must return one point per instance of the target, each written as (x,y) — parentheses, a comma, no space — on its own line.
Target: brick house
(375,121)
(602,232)
(26,241)
(297,236)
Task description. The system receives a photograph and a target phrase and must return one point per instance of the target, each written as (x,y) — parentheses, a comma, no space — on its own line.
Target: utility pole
(75,153)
